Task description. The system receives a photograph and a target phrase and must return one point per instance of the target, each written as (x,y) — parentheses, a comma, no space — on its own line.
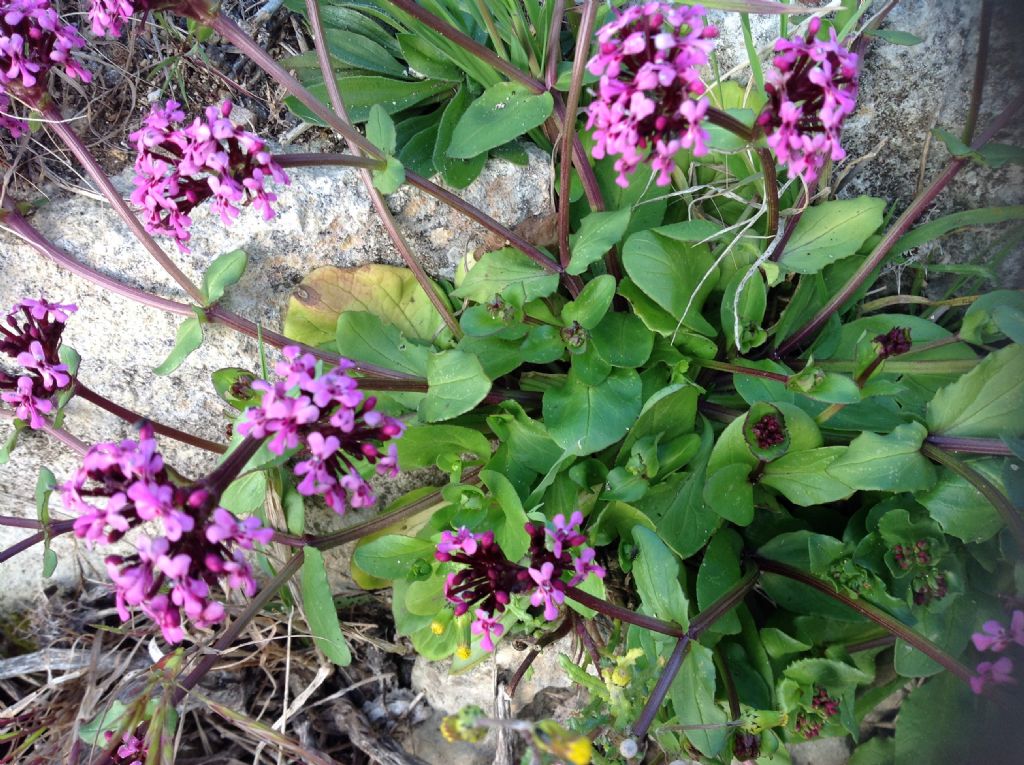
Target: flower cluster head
(997,638)
(121,486)
(489,579)
(331,420)
(894,342)
(811,89)
(179,166)
(31,335)
(649,103)
(823,707)
(769,431)
(32,40)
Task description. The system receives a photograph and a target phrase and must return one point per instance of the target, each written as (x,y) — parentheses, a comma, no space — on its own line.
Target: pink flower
(180,166)
(486,625)
(463,540)
(995,637)
(649,105)
(32,40)
(996,672)
(811,89)
(548,591)
(566,532)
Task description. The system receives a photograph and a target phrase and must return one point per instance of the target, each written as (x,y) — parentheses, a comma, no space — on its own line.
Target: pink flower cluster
(811,90)
(31,335)
(32,40)
(132,751)
(488,579)
(176,571)
(180,166)
(649,101)
(329,417)
(997,638)
(109,16)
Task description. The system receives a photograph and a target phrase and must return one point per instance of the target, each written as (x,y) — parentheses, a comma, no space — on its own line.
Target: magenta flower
(108,16)
(9,121)
(178,167)
(998,672)
(811,90)
(132,750)
(486,626)
(31,335)
(329,417)
(649,106)
(488,579)
(32,40)
(172,575)
(995,637)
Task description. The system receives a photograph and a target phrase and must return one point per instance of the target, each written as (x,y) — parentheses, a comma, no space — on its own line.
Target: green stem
(492,28)
(898,229)
(875,614)
(988,490)
(376,198)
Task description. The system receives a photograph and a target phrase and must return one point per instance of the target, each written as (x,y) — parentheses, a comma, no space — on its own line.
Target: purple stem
(376,198)
(898,229)
(56,529)
(133,417)
(84,156)
(971,445)
(875,614)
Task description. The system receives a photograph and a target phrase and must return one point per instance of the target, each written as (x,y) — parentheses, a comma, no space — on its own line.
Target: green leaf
(886,463)
(720,570)
(380,130)
(931,723)
(750,314)
(421,445)
(457,172)
(364,337)
(246,495)
(668,272)
(234,385)
(390,179)
(895,36)
(585,418)
(321,614)
(361,93)
(622,340)
(693,701)
(389,292)
(456,383)
(392,555)
(509,273)
(224,271)
(831,231)
(592,303)
(361,53)
(778,644)
(188,339)
(729,492)
(598,233)
(987,401)
(827,673)
(993,315)
(802,477)
(829,387)
(504,111)
(510,533)
(427,60)
(933,229)
(656,571)
(959,508)
(45,485)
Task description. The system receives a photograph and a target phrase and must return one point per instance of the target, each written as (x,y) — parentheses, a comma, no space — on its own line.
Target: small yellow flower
(552,738)
(462,652)
(436,627)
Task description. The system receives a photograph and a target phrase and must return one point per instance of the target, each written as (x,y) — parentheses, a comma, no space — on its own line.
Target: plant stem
(613,611)
(771,191)
(233,630)
(215,313)
(56,529)
(74,443)
(55,122)
(376,198)
(698,625)
(980,64)
(970,445)
(988,490)
(338,538)
(875,614)
(227,471)
(552,47)
(723,366)
(898,229)
(725,120)
(301,160)
(569,126)
(87,393)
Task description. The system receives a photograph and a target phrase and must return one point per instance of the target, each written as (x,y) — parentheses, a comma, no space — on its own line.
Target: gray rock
(905,92)
(324,218)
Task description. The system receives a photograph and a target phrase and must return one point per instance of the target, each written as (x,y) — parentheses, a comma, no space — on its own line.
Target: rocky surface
(324,218)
